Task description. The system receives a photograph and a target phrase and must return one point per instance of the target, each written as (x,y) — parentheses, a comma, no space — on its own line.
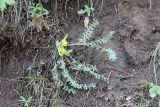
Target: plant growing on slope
(87,12)
(4,3)
(37,14)
(154,90)
(66,62)
(25,101)
(155,60)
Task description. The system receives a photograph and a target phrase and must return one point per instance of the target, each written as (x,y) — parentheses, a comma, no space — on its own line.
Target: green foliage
(4,3)
(88,69)
(59,82)
(72,81)
(37,13)
(60,71)
(154,90)
(87,35)
(155,60)
(104,40)
(68,83)
(88,32)
(110,53)
(97,45)
(87,10)
(25,101)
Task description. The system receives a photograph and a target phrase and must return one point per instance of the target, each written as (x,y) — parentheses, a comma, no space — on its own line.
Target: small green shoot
(25,101)
(38,11)
(154,90)
(4,3)
(87,10)
(155,60)
(37,14)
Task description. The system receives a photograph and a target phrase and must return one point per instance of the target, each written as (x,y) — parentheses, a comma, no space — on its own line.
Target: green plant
(87,10)
(38,11)
(4,3)
(25,101)
(154,90)
(37,14)
(155,60)
(66,62)
(87,35)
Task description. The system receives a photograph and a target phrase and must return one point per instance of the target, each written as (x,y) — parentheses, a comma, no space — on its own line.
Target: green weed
(25,101)
(86,11)
(154,90)
(155,60)
(37,14)
(4,3)
(38,11)
(66,63)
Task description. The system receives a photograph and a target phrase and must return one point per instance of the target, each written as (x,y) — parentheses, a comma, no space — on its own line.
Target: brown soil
(137,27)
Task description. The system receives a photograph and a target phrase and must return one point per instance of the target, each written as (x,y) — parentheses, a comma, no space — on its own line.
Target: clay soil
(137,30)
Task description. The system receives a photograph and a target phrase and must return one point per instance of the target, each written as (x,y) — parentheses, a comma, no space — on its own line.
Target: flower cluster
(60,46)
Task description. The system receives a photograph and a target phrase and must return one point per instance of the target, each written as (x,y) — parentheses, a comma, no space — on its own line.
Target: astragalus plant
(66,63)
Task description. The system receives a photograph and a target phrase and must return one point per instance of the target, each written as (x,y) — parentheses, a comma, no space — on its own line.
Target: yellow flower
(64,42)
(62,52)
